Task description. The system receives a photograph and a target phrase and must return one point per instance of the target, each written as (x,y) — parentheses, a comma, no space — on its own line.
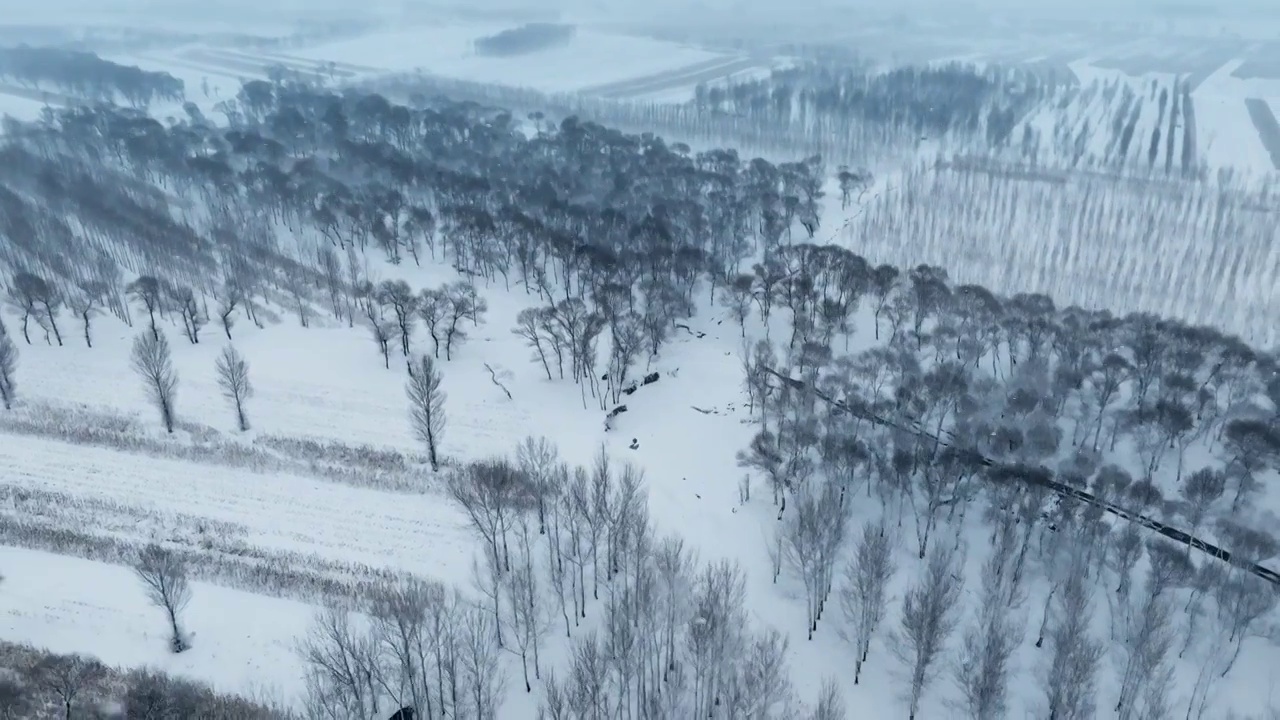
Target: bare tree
(153,362)
(148,291)
(331,271)
(528,615)
(69,678)
(396,295)
(86,303)
(487,491)
(342,666)
(24,295)
(865,590)
(382,333)
(463,302)
(982,672)
(1242,600)
(231,298)
(184,299)
(716,632)
(815,530)
(538,460)
(50,298)
(426,406)
(482,670)
(1202,489)
(1146,673)
(588,684)
(233,380)
(487,579)
(1071,681)
(400,617)
(1148,636)
(529,326)
(758,685)
(831,704)
(164,577)
(8,371)
(928,619)
(433,308)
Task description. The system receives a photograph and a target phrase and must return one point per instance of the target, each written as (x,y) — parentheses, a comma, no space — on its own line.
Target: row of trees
(972,219)
(41,686)
(954,99)
(393,311)
(43,303)
(85,75)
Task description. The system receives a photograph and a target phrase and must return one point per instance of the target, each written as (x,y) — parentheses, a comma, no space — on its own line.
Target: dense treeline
(843,110)
(85,75)
(561,213)
(950,100)
(1144,414)
(527,38)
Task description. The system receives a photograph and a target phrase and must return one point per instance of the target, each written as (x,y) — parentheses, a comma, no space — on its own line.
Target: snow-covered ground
(242,643)
(639,68)
(1228,137)
(20,108)
(330,383)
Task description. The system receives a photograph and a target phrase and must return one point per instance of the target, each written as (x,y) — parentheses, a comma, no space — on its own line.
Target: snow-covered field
(1229,138)
(1078,127)
(645,67)
(246,642)
(589,58)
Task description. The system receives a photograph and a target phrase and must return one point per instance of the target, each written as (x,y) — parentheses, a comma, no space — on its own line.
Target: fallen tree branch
(494,377)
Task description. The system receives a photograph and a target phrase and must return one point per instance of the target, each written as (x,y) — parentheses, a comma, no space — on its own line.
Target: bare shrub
(164,577)
(72,679)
